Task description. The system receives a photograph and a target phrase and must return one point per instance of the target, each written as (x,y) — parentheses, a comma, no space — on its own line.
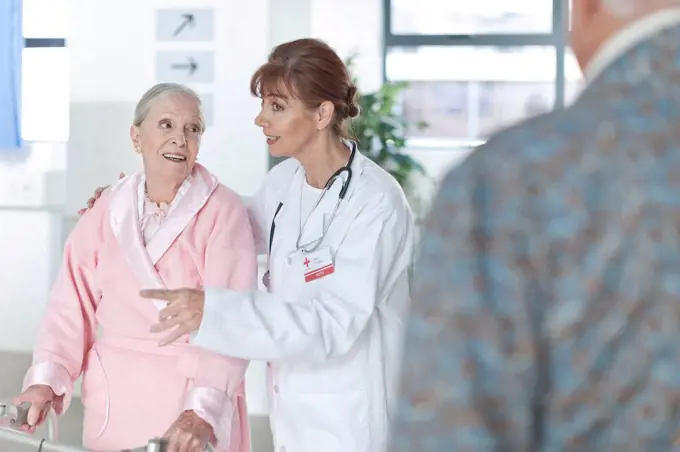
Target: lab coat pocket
(334,422)
(289,282)
(94,395)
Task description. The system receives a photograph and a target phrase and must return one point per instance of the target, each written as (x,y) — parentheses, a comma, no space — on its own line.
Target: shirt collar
(143,201)
(630,36)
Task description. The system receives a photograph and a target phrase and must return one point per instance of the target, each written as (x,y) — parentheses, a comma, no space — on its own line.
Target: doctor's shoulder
(380,190)
(224,203)
(280,175)
(275,185)
(378,199)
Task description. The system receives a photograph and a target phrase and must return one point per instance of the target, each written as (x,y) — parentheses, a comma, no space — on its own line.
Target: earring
(136,149)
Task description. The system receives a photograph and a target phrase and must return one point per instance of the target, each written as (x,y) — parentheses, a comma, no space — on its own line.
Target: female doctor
(339,236)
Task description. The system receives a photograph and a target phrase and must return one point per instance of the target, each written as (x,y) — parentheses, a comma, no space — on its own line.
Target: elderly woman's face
(170,136)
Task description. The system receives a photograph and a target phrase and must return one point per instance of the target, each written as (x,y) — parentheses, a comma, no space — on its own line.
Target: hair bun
(352,107)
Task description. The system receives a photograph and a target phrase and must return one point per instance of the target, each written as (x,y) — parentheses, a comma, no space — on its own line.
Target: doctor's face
(288,125)
(169,137)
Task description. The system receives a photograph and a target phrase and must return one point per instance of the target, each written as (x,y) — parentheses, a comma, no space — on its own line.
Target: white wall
(111,48)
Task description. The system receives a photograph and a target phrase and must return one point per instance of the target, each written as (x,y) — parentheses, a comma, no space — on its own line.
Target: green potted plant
(381,130)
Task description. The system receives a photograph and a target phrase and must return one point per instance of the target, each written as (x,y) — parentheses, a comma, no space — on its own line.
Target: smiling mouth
(175,157)
(271,139)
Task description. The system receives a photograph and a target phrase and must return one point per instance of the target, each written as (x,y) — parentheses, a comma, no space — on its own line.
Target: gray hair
(630,8)
(163,89)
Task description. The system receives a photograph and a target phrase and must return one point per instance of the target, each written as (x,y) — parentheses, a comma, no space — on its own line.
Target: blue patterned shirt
(546,307)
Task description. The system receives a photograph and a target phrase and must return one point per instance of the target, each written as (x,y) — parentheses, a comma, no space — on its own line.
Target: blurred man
(546,312)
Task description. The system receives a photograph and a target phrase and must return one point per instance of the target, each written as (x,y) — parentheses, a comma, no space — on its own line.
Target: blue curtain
(11,45)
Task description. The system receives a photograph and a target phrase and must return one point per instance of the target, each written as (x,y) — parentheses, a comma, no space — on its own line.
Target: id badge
(317,264)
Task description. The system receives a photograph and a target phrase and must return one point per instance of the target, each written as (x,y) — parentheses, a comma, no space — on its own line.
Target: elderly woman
(171,225)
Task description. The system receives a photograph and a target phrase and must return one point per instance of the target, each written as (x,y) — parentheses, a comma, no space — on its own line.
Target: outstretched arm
(373,260)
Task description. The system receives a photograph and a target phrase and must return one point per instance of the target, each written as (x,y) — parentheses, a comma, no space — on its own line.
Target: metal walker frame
(16,416)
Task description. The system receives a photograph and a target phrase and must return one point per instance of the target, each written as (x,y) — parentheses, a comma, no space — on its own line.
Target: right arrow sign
(190,66)
(185,67)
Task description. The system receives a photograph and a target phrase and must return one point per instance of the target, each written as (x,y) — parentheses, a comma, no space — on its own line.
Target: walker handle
(13,417)
(161,445)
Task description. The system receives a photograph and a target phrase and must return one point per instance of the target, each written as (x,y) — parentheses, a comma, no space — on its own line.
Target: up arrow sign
(187,20)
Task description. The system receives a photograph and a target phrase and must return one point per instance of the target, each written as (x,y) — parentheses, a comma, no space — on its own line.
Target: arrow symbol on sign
(191,65)
(188,20)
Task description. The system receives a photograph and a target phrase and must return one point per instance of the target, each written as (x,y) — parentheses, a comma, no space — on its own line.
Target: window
(442,17)
(45,69)
(476,67)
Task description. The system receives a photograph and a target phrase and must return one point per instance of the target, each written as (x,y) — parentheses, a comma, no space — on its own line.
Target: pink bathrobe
(97,324)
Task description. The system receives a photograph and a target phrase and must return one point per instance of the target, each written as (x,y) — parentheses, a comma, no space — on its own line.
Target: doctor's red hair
(311,71)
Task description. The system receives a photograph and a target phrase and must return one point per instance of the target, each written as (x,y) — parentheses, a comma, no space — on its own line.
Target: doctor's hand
(97,193)
(183,314)
(41,398)
(189,433)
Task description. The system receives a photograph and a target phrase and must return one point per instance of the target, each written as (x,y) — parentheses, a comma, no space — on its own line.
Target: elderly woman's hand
(41,398)
(189,433)
(184,311)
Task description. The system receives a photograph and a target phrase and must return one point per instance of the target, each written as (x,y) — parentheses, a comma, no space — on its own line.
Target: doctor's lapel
(322,215)
(288,219)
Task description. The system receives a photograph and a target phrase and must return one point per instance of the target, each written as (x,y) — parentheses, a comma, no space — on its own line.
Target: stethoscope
(314,244)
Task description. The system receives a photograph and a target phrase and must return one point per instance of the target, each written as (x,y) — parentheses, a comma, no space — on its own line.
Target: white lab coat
(334,344)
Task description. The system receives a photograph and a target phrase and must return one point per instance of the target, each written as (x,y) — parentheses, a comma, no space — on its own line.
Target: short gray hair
(163,89)
(629,8)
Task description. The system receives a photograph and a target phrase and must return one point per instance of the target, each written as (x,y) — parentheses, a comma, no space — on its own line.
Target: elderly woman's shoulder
(93,220)
(101,205)
(226,199)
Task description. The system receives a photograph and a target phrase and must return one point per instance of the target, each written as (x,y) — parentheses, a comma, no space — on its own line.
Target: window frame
(38,43)
(558,39)
(44,42)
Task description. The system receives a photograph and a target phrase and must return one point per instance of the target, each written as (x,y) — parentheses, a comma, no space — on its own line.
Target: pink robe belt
(188,356)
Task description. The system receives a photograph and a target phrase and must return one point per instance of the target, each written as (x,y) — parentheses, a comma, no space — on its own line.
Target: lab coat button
(276,389)
(282,449)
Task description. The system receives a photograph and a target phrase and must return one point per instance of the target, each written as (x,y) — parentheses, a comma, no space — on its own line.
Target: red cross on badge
(306,262)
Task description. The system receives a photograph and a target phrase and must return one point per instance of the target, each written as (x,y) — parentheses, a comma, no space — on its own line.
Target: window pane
(46,18)
(461,93)
(45,94)
(447,17)
(569,15)
(573,78)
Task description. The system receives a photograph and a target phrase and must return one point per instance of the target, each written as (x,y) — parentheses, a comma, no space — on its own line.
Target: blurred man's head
(595,21)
